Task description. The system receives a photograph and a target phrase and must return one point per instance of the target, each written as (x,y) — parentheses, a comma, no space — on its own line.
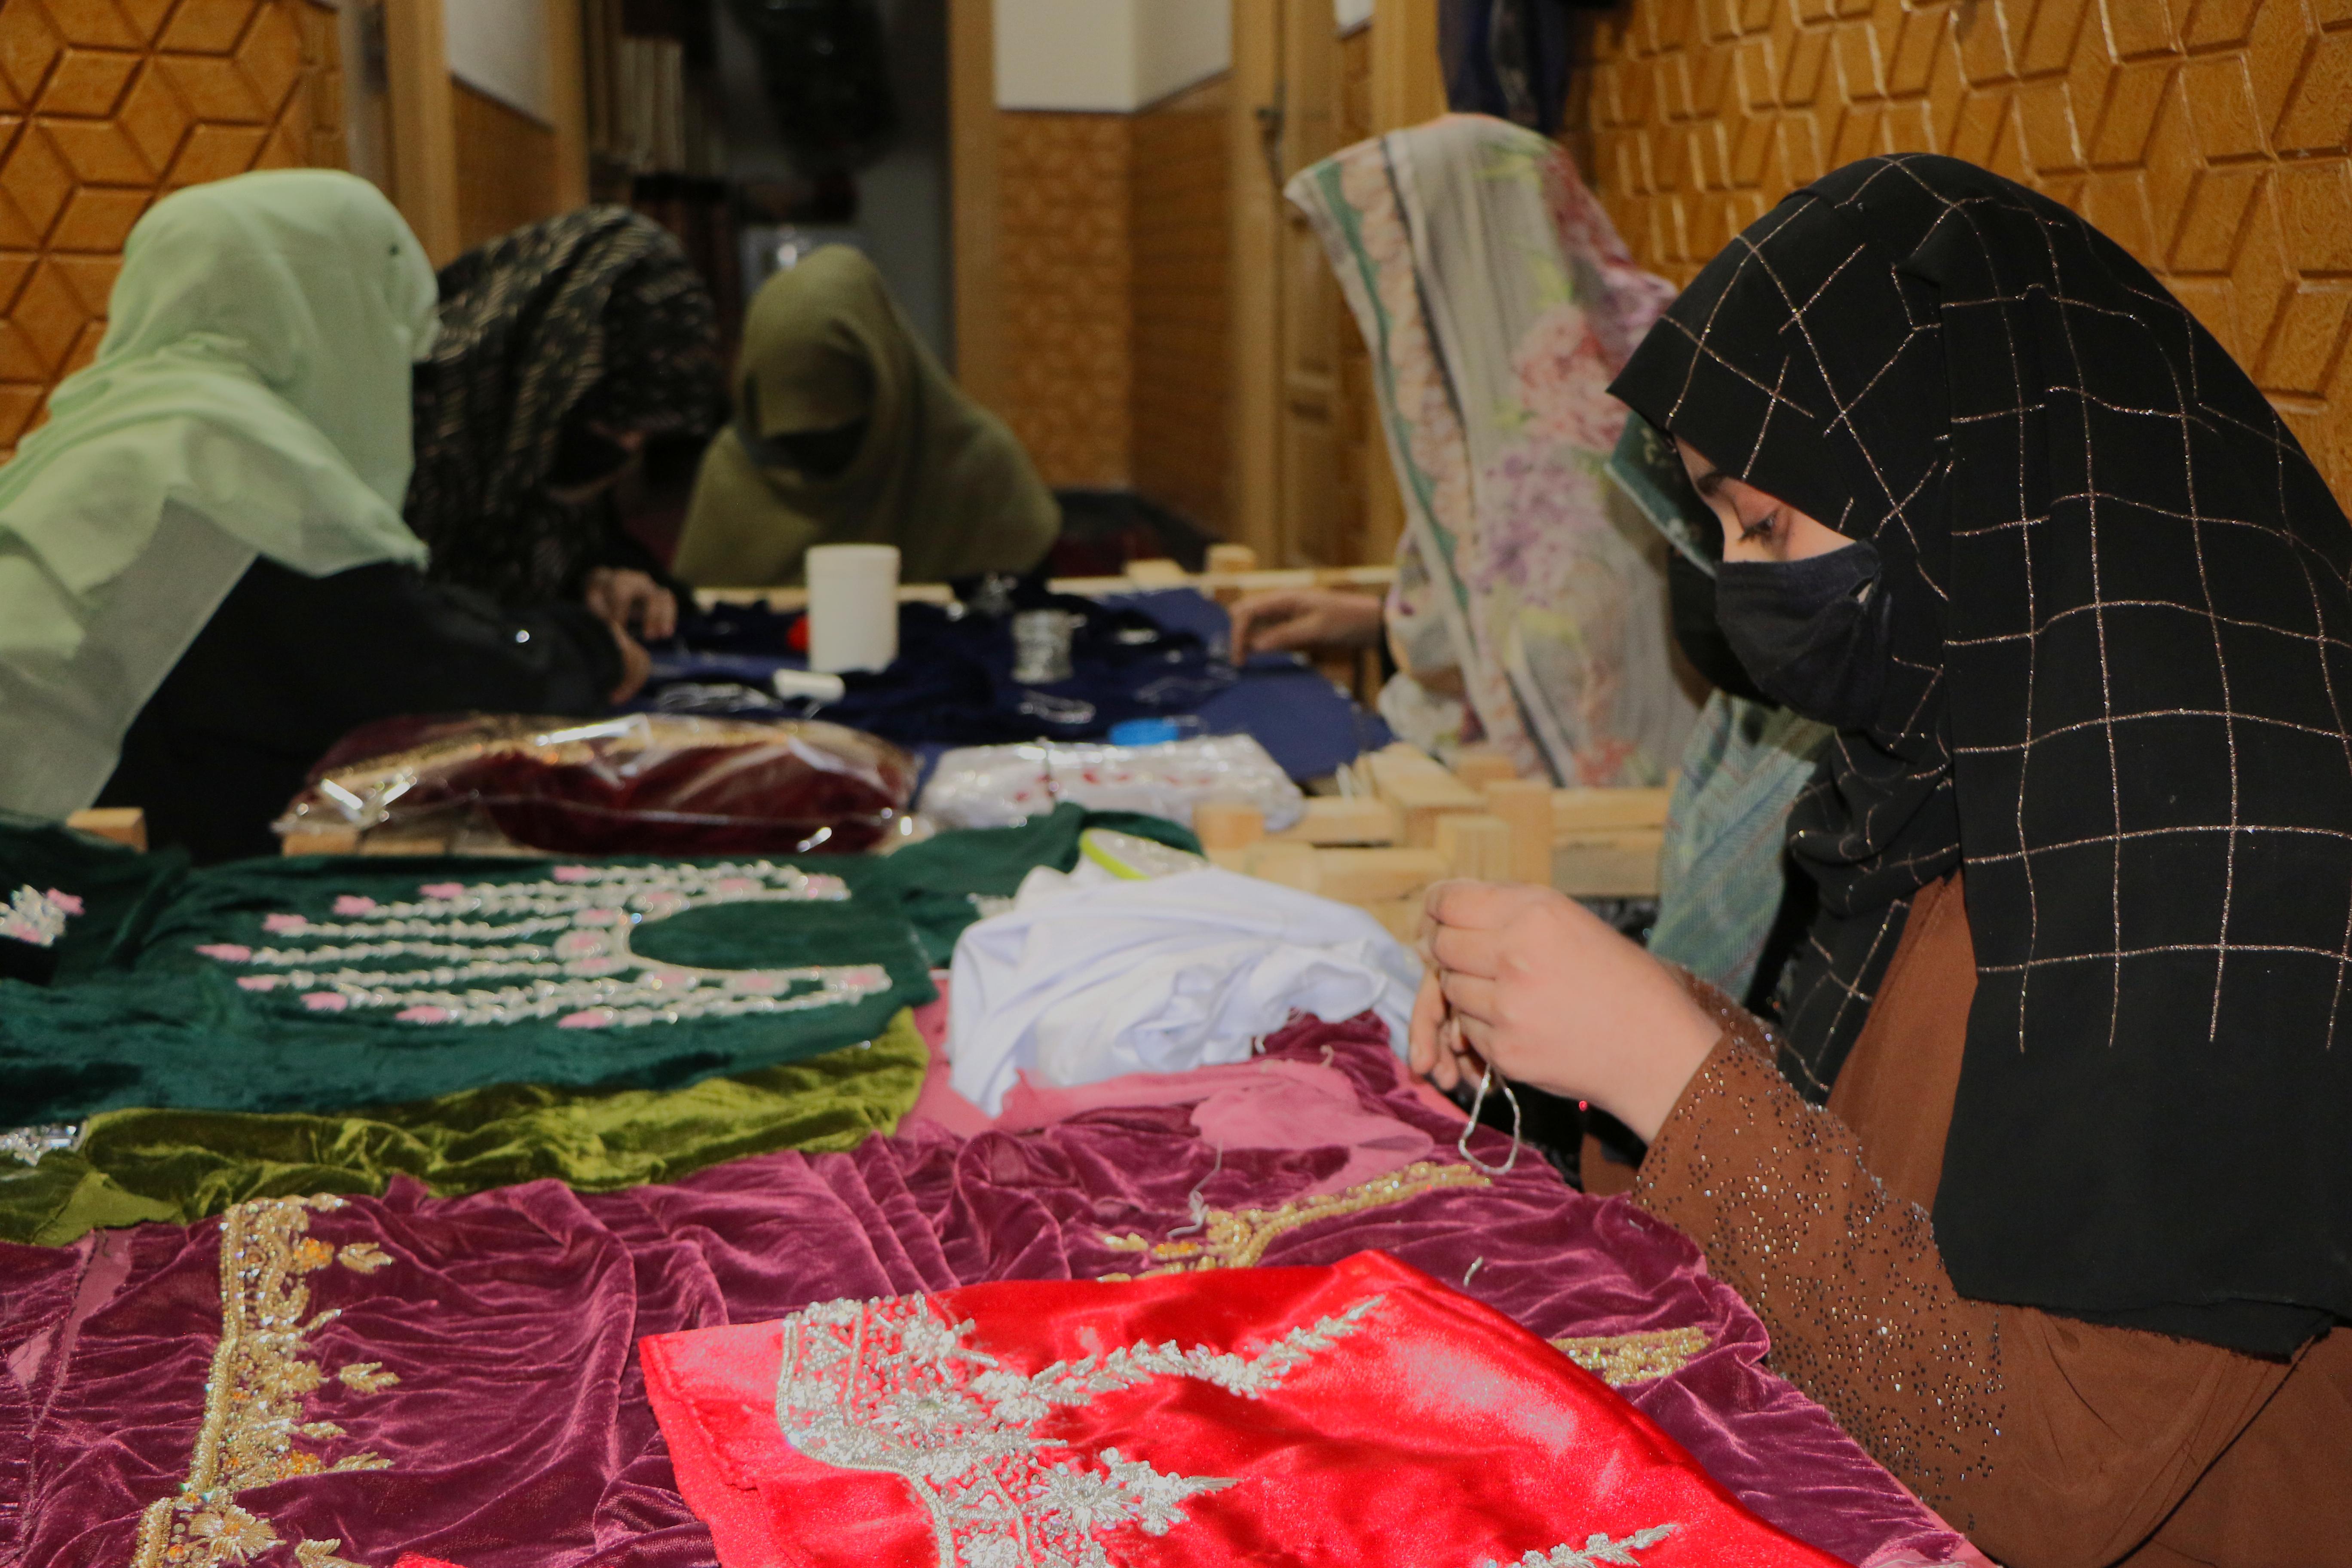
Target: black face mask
(1690,595)
(1813,634)
(817,454)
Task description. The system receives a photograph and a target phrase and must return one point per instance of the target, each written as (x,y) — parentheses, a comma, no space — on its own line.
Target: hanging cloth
(1497,300)
(596,317)
(2120,623)
(826,347)
(250,398)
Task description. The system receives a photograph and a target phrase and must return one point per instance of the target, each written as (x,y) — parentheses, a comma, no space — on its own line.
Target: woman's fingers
(1471,906)
(1476,1038)
(1447,1071)
(1428,1014)
(635,666)
(1468,996)
(661,613)
(1466,951)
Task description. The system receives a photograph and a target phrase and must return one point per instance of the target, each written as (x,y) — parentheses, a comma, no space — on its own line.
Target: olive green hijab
(250,398)
(824,346)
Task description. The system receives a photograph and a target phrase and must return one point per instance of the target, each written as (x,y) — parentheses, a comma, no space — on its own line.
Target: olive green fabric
(824,346)
(181,1165)
(250,396)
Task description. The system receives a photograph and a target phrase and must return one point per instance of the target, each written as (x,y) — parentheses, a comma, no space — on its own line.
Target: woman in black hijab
(564,348)
(2070,1245)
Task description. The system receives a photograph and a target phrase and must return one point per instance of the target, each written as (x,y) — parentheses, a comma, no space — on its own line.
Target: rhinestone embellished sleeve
(1845,1277)
(2109,1427)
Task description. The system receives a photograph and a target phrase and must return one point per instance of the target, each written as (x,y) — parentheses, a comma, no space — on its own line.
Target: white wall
(1117,55)
(1178,43)
(1067,54)
(500,47)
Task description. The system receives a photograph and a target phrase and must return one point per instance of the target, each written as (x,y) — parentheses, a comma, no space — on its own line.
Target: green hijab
(251,397)
(935,474)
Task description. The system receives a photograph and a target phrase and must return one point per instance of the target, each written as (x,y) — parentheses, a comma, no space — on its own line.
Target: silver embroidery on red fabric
(889,1385)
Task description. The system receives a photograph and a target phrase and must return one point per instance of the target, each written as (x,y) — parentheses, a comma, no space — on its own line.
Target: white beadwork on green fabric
(505,952)
(33,916)
(889,1386)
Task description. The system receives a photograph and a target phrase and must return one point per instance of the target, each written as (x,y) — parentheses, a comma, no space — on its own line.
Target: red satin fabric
(1432,1432)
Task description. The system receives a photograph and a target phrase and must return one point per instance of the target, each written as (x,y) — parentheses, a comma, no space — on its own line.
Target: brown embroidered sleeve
(2053,1443)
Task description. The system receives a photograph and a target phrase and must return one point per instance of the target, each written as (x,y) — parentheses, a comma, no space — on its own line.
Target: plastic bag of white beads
(998,786)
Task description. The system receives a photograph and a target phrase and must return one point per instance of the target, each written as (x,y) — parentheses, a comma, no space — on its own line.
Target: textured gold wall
(1063,248)
(2209,137)
(107,104)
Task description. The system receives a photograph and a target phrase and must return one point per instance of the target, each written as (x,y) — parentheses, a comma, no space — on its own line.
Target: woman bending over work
(846,431)
(2043,1190)
(205,579)
(565,347)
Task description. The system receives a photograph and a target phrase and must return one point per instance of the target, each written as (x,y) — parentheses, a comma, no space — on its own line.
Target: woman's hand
(1290,618)
(636,664)
(626,599)
(1531,981)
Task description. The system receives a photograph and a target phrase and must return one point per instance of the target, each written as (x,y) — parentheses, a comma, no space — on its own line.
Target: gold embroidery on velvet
(367,1377)
(361,1257)
(322,1554)
(254,1396)
(1620,1360)
(1237,1238)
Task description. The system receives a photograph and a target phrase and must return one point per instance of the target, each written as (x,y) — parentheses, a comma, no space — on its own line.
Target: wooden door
(1317,519)
(1311,483)
(1290,501)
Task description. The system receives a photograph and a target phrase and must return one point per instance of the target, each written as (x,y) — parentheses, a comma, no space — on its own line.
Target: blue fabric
(1149,655)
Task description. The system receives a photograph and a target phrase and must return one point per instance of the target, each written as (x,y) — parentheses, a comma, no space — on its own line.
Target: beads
(466,954)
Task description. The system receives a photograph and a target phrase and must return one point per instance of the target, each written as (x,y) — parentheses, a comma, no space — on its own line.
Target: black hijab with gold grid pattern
(2121,684)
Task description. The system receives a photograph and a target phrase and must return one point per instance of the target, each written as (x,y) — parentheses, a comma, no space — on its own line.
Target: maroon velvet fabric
(644,784)
(519,1433)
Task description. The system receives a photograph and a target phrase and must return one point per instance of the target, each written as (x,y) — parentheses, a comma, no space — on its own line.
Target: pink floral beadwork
(557,949)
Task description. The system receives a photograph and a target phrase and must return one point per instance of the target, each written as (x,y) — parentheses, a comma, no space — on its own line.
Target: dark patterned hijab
(594,318)
(2122,671)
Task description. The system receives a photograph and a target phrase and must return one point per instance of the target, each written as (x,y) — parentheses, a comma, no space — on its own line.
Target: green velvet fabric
(183,1166)
(164,1023)
(199,1093)
(939,878)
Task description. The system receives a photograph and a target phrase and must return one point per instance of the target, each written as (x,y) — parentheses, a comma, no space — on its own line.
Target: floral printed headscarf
(1498,301)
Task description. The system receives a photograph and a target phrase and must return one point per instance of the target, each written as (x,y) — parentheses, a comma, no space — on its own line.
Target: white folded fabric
(1089,977)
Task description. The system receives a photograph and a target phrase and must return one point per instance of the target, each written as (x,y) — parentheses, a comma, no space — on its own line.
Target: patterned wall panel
(1181,228)
(2209,137)
(1067,265)
(107,104)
